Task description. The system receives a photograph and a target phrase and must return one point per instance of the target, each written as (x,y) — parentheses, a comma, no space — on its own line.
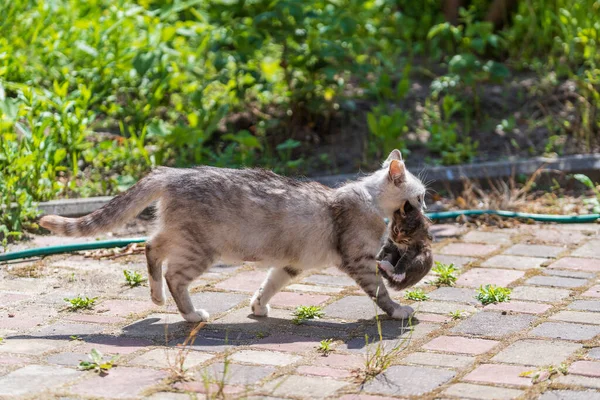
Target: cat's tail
(115,213)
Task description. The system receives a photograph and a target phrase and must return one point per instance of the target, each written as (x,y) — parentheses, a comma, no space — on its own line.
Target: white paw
(258,310)
(157,294)
(158,302)
(403,312)
(196,316)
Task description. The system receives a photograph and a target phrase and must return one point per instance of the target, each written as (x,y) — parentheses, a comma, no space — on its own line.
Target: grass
(177,370)
(445,274)
(325,347)
(491,294)
(81,303)
(379,360)
(416,295)
(303,313)
(97,363)
(133,278)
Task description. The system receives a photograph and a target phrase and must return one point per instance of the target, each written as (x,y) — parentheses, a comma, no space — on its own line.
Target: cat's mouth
(387,270)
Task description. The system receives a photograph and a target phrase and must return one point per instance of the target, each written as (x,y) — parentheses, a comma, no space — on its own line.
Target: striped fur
(208,214)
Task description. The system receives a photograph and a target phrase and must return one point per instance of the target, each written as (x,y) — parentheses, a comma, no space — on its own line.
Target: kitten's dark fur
(407,255)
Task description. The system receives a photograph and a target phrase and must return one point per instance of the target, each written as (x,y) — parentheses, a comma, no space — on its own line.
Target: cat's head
(400,186)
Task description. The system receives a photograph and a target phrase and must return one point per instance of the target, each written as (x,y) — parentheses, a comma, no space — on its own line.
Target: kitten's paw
(258,310)
(196,316)
(158,302)
(403,312)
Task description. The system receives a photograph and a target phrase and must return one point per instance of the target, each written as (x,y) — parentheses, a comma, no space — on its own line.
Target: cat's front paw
(196,316)
(259,310)
(403,312)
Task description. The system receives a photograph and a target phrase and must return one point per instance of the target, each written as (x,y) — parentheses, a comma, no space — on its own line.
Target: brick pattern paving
(489,352)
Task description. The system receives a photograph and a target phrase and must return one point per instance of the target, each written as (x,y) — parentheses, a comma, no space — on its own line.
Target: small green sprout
(325,347)
(416,295)
(545,373)
(75,337)
(445,274)
(133,278)
(493,294)
(97,363)
(81,303)
(302,313)
(458,314)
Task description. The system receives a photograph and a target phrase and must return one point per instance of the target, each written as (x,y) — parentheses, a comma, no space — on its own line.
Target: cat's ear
(397,172)
(394,155)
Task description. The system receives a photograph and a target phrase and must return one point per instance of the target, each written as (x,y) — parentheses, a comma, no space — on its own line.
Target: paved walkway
(500,351)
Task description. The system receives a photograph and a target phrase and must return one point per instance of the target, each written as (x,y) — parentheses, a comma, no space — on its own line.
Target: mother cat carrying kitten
(207,214)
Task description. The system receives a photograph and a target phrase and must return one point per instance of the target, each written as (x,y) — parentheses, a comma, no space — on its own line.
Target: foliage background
(94,93)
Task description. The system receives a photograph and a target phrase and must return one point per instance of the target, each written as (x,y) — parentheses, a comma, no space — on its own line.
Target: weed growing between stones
(489,294)
(545,373)
(133,278)
(97,363)
(325,347)
(445,274)
(458,314)
(302,313)
(81,303)
(416,295)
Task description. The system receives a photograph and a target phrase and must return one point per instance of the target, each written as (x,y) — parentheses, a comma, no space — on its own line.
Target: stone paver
(439,360)
(459,295)
(590,249)
(35,379)
(577,264)
(586,305)
(594,291)
(534,250)
(514,262)
(309,386)
(352,307)
(537,352)
(264,357)
(563,330)
(422,380)
(487,237)
(553,317)
(458,344)
(570,395)
(556,281)
(586,368)
(494,324)
(520,307)
(482,276)
(121,382)
(480,392)
(501,374)
(548,295)
(469,249)
(577,316)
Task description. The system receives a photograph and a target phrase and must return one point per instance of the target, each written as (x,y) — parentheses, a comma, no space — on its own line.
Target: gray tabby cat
(207,214)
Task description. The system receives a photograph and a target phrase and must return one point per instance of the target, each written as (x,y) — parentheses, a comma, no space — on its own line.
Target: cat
(207,214)
(407,255)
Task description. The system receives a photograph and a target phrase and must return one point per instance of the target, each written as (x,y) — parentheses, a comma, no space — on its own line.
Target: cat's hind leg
(276,279)
(182,270)
(155,248)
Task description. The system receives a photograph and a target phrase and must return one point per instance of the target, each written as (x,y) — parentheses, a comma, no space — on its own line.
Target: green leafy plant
(97,363)
(81,303)
(593,202)
(133,278)
(445,274)
(303,313)
(325,347)
(416,295)
(489,294)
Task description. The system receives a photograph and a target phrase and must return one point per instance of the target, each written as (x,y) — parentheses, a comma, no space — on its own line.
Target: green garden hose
(103,244)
